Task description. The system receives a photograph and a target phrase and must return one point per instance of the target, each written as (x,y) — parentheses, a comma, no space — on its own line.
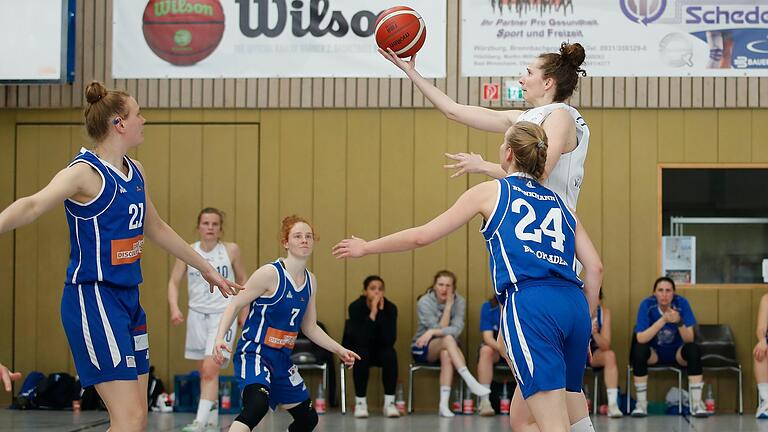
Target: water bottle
(469,404)
(400,399)
(456,405)
(320,400)
(504,400)
(709,402)
(226,396)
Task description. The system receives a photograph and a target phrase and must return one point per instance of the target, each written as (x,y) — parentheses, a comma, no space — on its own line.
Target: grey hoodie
(430,310)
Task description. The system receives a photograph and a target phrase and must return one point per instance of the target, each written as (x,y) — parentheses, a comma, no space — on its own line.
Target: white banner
(621,37)
(263,38)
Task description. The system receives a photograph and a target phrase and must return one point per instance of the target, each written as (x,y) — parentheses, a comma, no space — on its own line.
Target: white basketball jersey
(566,177)
(200,297)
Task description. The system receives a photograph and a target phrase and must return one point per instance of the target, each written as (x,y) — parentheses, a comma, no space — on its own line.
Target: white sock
(613,396)
(641,391)
(695,393)
(485,397)
(474,386)
(445,395)
(762,388)
(583,425)
(203,409)
(361,401)
(213,416)
(389,400)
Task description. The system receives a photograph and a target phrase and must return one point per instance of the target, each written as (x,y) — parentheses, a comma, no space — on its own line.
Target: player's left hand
(466,163)
(226,287)
(347,357)
(349,248)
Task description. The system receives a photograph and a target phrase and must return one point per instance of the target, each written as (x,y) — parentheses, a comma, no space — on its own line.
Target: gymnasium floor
(43,421)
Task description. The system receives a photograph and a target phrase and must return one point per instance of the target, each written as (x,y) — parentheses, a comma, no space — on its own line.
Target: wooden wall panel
(7,195)
(369,173)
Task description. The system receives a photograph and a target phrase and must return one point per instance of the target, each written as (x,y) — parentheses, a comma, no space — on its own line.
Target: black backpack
(57,391)
(155,388)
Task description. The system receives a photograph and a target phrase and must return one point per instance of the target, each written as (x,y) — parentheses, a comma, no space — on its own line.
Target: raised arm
(313,331)
(476,200)
(477,117)
(77,180)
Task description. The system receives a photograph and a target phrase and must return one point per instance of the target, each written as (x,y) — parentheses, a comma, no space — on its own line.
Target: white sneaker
(614,411)
(485,409)
(762,411)
(361,410)
(446,412)
(391,411)
(699,410)
(194,427)
(641,409)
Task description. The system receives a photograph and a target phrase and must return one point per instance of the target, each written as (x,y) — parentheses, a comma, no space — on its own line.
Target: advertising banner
(621,37)
(263,38)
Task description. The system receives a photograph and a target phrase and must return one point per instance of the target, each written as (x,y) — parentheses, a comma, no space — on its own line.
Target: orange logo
(127,251)
(278,339)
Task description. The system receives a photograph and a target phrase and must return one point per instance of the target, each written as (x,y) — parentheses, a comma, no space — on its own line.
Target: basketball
(402,30)
(183,32)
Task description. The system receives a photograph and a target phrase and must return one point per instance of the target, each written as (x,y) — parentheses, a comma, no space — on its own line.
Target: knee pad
(304,417)
(255,405)
(640,355)
(692,355)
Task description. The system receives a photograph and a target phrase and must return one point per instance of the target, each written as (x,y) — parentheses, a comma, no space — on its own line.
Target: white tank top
(565,179)
(200,297)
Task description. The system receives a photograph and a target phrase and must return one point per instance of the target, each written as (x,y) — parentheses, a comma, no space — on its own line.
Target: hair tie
(540,144)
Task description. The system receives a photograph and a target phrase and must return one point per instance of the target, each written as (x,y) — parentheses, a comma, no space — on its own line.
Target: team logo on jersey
(530,184)
(127,251)
(122,190)
(138,188)
(278,339)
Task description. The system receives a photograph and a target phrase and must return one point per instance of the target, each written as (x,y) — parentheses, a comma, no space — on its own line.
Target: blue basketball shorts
(274,370)
(107,332)
(546,331)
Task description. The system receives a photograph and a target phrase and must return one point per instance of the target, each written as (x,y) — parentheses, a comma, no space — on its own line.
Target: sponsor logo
(289,295)
(278,339)
(491,92)
(644,11)
(127,251)
(530,184)
(732,14)
(122,190)
(272,18)
(138,189)
(521,7)
(130,361)
(141,342)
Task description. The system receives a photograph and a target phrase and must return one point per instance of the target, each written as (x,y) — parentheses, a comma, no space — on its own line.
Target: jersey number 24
(551,226)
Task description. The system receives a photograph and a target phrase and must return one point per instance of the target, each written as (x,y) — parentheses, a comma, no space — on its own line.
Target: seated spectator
(760,354)
(604,357)
(664,335)
(490,317)
(371,332)
(441,321)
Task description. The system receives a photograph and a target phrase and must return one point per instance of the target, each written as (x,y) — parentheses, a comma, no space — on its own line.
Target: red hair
(287,225)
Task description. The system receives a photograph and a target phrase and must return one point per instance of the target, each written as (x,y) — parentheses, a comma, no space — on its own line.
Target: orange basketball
(402,30)
(183,32)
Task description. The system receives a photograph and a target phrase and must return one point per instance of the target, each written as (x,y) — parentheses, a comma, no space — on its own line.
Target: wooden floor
(334,422)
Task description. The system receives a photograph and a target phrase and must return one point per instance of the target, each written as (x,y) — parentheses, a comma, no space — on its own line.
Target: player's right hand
(225,286)
(403,65)
(176,316)
(218,351)
(7,376)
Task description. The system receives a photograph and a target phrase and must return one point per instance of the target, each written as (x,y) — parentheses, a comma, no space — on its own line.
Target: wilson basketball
(183,32)
(401,29)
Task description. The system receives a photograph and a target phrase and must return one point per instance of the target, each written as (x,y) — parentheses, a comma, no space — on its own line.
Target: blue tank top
(530,236)
(274,322)
(106,235)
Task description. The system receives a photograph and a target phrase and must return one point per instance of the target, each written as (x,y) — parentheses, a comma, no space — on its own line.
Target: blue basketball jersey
(274,322)
(106,235)
(530,236)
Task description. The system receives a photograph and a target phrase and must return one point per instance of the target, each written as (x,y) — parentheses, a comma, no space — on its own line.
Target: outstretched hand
(349,248)
(7,376)
(466,163)
(348,357)
(225,286)
(405,66)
